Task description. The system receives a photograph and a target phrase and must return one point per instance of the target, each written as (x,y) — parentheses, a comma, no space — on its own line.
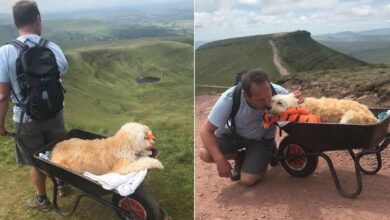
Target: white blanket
(124,184)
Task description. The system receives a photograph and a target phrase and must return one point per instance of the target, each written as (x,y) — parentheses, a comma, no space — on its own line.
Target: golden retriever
(126,151)
(328,109)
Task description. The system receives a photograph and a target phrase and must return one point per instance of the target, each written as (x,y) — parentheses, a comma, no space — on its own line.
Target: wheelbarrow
(298,152)
(139,205)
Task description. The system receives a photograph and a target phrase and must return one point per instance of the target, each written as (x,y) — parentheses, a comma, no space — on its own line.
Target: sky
(221,19)
(53,6)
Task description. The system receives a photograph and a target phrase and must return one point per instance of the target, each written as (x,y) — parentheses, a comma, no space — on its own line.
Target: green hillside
(375,52)
(71,33)
(217,62)
(102,94)
(299,52)
(373,55)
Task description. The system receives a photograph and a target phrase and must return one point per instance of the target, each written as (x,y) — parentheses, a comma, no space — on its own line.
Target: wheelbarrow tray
(88,187)
(334,136)
(75,179)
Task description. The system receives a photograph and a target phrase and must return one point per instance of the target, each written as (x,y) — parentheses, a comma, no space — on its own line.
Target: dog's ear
(281,104)
(291,101)
(132,135)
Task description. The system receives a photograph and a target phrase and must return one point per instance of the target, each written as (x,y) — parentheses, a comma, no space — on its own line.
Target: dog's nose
(149,145)
(268,107)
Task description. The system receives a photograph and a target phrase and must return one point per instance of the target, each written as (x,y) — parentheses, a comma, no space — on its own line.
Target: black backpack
(237,101)
(39,79)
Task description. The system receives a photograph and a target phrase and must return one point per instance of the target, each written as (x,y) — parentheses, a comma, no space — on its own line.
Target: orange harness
(292,114)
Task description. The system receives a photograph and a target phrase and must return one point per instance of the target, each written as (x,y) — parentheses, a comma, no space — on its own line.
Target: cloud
(249,2)
(204,4)
(225,18)
(267,16)
(363,10)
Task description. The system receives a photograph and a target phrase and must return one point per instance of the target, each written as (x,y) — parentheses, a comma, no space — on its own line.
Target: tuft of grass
(384,94)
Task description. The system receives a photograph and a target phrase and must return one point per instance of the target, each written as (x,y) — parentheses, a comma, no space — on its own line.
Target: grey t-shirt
(248,121)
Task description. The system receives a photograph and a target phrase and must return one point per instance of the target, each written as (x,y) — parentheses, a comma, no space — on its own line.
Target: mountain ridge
(217,62)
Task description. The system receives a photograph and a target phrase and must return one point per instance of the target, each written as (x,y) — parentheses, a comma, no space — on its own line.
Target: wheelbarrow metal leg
(55,205)
(344,193)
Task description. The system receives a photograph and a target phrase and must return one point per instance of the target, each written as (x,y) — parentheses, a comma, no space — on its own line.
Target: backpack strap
(22,47)
(235,106)
(42,42)
(238,76)
(19,44)
(236,99)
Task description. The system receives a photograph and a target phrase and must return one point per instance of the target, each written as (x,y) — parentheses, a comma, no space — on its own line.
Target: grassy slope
(217,62)
(102,95)
(299,52)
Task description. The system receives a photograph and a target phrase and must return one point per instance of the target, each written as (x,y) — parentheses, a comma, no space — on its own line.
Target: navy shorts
(36,134)
(258,153)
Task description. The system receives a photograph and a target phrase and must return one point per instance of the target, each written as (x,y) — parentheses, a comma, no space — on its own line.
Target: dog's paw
(158,165)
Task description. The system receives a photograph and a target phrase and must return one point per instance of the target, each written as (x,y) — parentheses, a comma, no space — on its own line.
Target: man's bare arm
(5,93)
(211,144)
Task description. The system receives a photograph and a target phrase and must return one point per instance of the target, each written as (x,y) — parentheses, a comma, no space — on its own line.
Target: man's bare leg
(206,157)
(248,179)
(38,180)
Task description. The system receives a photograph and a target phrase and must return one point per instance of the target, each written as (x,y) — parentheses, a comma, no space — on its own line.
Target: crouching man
(222,142)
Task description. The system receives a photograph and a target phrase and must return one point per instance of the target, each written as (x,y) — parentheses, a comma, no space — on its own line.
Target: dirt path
(282,70)
(281,196)
(213,86)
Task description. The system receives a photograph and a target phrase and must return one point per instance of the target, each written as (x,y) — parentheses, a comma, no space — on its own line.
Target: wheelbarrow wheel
(292,162)
(141,203)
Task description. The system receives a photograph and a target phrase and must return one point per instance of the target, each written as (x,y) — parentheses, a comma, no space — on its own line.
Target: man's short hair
(25,13)
(257,76)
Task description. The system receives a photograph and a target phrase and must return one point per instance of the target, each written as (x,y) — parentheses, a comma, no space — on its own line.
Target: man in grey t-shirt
(34,134)
(220,144)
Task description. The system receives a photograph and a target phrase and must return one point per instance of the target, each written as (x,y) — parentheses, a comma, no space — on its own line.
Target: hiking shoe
(273,161)
(63,190)
(33,203)
(236,172)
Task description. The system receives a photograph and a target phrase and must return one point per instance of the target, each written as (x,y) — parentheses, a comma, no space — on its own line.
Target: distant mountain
(71,33)
(370,35)
(80,27)
(371,46)
(217,62)
(5,19)
(382,31)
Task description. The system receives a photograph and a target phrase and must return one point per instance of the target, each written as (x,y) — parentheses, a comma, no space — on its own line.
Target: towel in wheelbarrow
(124,184)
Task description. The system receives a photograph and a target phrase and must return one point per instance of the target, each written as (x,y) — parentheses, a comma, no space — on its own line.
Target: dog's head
(280,103)
(136,136)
